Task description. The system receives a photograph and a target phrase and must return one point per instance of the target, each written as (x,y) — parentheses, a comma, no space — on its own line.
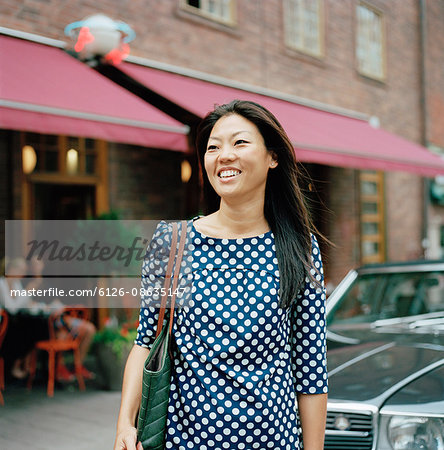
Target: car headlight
(416,433)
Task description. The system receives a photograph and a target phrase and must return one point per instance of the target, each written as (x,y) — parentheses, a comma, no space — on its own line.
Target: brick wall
(17,175)
(344,223)
(404,215)
(145,183)
(5,185)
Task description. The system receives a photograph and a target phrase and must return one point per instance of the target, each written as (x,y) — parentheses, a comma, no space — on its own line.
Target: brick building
(379,59)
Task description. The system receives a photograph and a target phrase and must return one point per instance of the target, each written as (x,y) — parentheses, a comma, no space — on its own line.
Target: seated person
(77,327)
(11,287)
(19,339)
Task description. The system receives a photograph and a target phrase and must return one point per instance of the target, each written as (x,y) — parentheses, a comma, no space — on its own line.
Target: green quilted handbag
(153,411)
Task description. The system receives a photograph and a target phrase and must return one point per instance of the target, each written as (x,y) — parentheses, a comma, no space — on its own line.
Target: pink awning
(318,136)
(45,90)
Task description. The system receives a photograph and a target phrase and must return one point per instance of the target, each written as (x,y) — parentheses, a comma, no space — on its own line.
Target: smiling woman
(250,353)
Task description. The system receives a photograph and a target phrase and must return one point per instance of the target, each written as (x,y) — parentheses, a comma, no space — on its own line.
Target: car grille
(357,436)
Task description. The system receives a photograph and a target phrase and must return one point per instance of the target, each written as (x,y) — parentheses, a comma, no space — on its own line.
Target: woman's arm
(313,415)
(126,438)
(154,269)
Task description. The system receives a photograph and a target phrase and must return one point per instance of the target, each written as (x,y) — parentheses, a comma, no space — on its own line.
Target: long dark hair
(284,207)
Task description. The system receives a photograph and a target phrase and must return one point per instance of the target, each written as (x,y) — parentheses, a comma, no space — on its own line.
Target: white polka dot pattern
(237,367)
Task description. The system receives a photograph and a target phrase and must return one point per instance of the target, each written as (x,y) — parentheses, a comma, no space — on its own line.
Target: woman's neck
(242,219)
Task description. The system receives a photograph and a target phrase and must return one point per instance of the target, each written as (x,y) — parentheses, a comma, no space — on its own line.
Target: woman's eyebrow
(239,132)
(216,138)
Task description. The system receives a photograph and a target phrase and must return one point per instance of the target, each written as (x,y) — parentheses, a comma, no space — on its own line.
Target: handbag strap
(175,254)
(183,238)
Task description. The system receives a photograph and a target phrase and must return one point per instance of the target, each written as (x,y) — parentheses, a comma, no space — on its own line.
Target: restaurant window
(43,153)
(370,42)
(372,217)
(84,153)
(218,10)
(42,150)
(304,25)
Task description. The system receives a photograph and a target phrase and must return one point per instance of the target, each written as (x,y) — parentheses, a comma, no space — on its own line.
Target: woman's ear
(274,161)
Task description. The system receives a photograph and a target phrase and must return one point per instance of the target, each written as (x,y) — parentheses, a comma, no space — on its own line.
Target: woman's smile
(228,174)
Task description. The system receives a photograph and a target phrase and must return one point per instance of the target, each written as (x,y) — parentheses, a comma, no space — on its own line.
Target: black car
(386,358)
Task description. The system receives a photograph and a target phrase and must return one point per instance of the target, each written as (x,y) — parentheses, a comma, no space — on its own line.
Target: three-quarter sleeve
(309,347)
(153,275)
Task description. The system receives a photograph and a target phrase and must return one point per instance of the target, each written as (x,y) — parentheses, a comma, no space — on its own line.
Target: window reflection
(386,296)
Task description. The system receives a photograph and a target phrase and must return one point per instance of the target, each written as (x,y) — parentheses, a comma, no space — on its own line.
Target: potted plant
(112,345)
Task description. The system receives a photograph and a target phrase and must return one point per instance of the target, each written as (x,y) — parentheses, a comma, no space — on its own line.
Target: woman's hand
(131,395)
(127,440)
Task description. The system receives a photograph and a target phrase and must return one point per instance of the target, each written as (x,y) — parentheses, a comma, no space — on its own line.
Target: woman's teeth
(229,173)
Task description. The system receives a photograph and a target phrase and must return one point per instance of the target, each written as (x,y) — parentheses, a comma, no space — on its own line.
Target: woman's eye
(211,148)
(240,141)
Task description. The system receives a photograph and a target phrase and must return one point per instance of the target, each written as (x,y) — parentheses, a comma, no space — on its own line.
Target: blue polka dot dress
(237,367)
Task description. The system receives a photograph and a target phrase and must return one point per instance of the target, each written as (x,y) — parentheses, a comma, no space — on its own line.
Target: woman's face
(236,160)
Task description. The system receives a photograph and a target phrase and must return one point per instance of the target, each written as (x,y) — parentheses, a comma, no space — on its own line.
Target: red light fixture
(100,37)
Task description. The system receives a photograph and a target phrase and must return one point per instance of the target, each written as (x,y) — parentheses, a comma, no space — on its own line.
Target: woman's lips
(228,173)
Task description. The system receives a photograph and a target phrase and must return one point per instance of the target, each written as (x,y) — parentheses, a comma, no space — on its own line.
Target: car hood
(381,364)
(425,395)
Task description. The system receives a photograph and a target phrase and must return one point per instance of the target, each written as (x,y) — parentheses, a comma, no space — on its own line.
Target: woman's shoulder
(205,224)
(164,229)
(162,237)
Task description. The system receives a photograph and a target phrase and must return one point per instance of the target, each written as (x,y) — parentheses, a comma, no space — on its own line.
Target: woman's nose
(227,153)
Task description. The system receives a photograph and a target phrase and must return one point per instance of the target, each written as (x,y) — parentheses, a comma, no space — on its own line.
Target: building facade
(380,58)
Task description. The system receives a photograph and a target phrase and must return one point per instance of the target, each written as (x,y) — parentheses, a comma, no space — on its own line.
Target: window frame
(380,13)
(99,178)
(378,199)
(62,147)
(321,31)
(231,22)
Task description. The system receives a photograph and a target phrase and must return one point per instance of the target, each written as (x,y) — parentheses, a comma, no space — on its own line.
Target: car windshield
(373,297)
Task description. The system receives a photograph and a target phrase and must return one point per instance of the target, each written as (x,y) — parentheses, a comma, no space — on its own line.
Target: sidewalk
(71,420)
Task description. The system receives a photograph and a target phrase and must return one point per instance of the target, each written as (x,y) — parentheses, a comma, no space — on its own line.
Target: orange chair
(61,339)
(3,328)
